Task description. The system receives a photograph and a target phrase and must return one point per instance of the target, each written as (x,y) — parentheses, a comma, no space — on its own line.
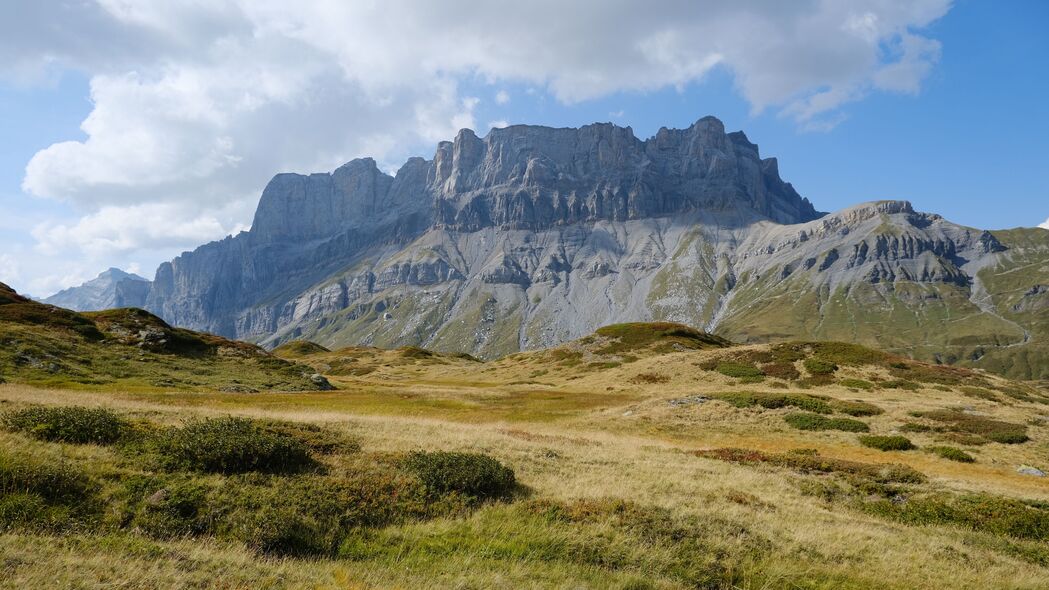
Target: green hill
(130,349)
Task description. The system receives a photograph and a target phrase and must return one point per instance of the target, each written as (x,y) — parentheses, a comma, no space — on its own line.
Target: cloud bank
(196,104)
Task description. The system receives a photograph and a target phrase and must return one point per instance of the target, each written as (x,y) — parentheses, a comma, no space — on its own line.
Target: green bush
(746,399)
(978,512)
(987,428)
(70,424)
(857,384)
(739,370)
(310,514)
(914,427)
(805,421)
(883,473)
(855,408)
(475,475)
(887,443)
(953,453)
(816,366)
(231,445)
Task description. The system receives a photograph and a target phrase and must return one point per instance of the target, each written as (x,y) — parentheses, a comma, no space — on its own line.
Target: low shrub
(68,424)
(739,370)
(915,427)
(783,370)
(901,384)
(472,474)
(231,445)
(857,384)
(884,473)
(311,515)
(887,443)
(953,454)
(978,512)
(817,366)
(806,421)
(987,428)
(855,408)
(747,399)
(978,393)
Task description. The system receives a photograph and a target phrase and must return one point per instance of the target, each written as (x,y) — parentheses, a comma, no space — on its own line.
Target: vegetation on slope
(130,348)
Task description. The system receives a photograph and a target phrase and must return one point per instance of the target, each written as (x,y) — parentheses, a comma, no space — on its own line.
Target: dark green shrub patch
(664,336)
(887,443)
(231,445)
(978,512)
(747,399)
(785,371)
(739,370)
(471,474)
(901,384)
(810,463)
(806,421)
(915,427)
(855,408)
(816,366)
(856,384)
(987,428)
(69,424)
(952,453)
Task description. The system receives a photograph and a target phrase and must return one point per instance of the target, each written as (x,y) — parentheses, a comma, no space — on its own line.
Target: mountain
(534,236)
(111,289)
(133,350)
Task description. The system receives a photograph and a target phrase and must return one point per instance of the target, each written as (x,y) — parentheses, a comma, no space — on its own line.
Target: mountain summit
(111,288)
(532,236)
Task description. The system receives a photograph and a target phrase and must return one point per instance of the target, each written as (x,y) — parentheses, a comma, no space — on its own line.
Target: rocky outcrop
(110,289)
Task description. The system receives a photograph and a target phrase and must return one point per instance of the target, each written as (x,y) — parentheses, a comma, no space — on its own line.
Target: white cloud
(197,104)
(153,226)
(617,114)
(498,124)
(10,270)
(1045,225)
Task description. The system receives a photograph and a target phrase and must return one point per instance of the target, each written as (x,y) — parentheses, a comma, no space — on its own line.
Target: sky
(134,130)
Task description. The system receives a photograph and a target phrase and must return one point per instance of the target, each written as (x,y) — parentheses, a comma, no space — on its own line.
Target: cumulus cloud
(196,104)
(1045,225)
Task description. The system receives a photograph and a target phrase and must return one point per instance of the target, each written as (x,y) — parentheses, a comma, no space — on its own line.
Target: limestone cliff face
(532,236)
(523,177)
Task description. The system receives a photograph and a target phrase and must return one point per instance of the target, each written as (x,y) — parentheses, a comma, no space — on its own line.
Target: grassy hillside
(130,349)
(643,456)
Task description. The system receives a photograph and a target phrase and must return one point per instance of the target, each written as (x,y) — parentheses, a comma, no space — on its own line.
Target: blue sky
(144,130)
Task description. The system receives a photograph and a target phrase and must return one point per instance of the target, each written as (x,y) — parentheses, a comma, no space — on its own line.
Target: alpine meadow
(602,341)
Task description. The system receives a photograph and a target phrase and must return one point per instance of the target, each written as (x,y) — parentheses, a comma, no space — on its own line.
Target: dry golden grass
(572,433)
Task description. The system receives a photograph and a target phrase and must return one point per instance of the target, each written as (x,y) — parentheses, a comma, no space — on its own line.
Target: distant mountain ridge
(110,289)
(533,236)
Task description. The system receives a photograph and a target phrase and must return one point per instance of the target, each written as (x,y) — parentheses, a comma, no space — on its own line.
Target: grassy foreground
(640,457)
